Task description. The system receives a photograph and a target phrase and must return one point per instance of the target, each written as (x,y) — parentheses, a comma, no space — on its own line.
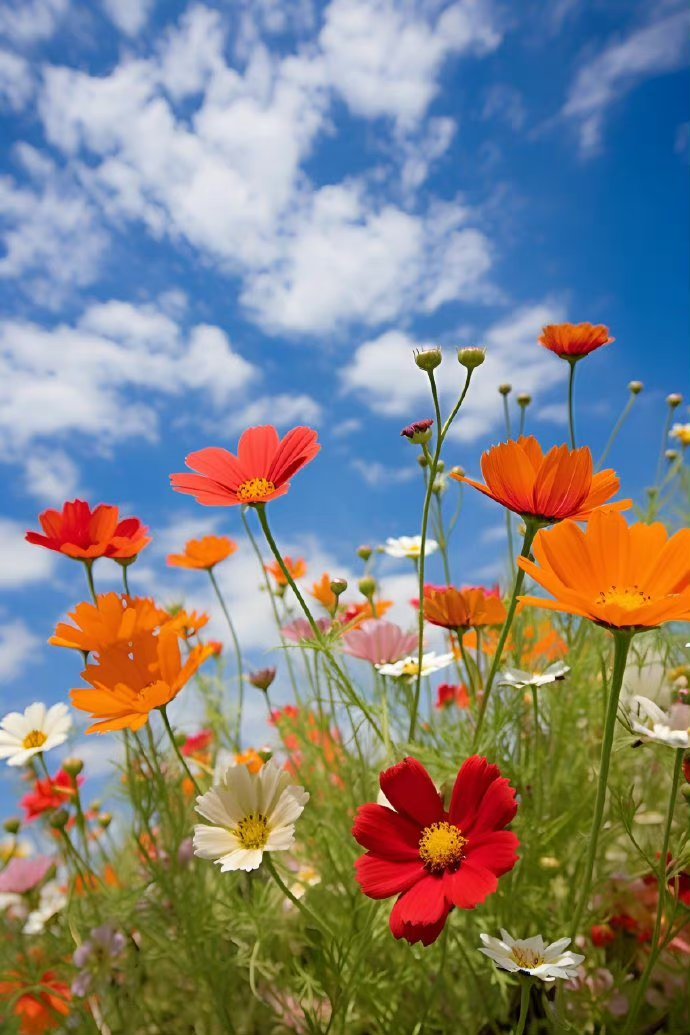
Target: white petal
(213,842)
(242,859)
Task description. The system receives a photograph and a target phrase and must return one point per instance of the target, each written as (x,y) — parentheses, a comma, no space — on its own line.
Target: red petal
(219,465)
(469,886)
(473,781)
(205,491)
(425,902)
(411,791)
(381,878)
(413,933)
(257,450)
(495,851)
(298,448)
(384,832)
(497,808)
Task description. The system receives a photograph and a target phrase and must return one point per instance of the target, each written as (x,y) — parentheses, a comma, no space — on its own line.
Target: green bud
(674,400)
(635,387)
(59,819)
(338,586)
(367,586)
(428,359)
(523,399)
(471,357)
(364,553)
(505,389)
(73,766)
(12,826)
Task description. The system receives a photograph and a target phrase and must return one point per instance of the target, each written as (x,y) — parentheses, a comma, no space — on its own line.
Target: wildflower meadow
(472,820)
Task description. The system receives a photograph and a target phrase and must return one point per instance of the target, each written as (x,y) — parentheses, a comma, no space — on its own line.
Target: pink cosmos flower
(380,643)
(21,875)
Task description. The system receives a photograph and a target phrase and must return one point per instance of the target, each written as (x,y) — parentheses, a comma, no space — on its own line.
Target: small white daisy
(52,900)
(38,729)
(253,813)
(521,680)
(650,721)
(408,668)
(531,956)
(409,546)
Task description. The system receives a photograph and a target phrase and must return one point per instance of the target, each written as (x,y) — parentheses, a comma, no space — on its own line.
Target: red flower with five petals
(435,860)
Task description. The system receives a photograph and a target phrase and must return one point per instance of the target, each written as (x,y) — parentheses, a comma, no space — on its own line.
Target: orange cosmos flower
(113,620)
(355,615)
(619,576)
(453,608)
(126,688)
(203,554)
(85,534)
(322,592)
(548,488)
(188,623)
(297,568)
(40,1011)
(572,341)
(260,472)
(542,645)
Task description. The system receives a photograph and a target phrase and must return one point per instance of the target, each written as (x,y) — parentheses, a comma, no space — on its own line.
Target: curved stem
(525,989)
(125,579)
(176,749)
(238,653)
(621,640)
(616,429)
(88,566)
(303,908)
(571,401)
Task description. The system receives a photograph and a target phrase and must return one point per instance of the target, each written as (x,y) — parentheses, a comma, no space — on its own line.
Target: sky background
(218,215)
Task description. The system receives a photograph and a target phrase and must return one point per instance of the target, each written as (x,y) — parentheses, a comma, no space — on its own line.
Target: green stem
(523,417)
(571,401)
(317,921)
(176,749)
(664,442)
(125,579)
(655,946)
(238,654)
(616,429)
(506,414)
(530,532)
(88,565)
(525,989)
(621,640)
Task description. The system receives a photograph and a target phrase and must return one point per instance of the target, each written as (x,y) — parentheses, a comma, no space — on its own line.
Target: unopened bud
(523,399)
(440,466)
(96,805)
(635,387)
(73,766)
(422,460)
(685,791)
(652,493)
(12,826)
(471,357)
(419,432)
(104,820)
(338,586)
(364,553)
(367,586)
(262,679)
(428,359)
(59,819)
(674,400)
(457,472)
(671,455)
(505,389)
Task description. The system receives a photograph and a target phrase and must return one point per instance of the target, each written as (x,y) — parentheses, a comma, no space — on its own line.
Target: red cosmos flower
(52,793)
(196,745)
(448,696)
(435,860)
(38,1009)
(572,341)
(260,472)
(86,534)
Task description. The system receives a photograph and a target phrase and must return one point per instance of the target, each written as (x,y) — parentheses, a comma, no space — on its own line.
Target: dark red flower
(85,534)
(418,431)
(435,860)
(448,696)
(602,935)
(197,744)
(52,793)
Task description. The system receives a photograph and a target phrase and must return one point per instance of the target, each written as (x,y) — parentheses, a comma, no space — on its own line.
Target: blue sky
(215,215)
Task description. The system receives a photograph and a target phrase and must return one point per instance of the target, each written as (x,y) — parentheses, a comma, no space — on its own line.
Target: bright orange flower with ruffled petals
(189,623)
(85,534)
(112,620)
(620,576)
(453,608)
(260,472)
(572,341)
(322,592)
(203,554)
(546,488)
(126,688)
(297,568)
(38,1011)
(542,645)
(355,615)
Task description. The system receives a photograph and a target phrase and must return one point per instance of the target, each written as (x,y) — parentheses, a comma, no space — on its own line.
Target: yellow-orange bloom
(453,608)
(297,569)
(203,554)
(572,341)
(322,592)
(549,488)
(112,620)
(619,576)
(126,688)
(188,623)
(542,645)
(251,759)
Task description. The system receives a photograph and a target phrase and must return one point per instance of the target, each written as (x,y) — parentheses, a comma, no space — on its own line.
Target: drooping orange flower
(260,472)
(112,620)
(189,623)
(453,608)
(297,568)
(85,534)
(572,341)
(203,554)
(38,1011)
(126,688)
(548,488)
(322,592)
(355,615)
(619,576)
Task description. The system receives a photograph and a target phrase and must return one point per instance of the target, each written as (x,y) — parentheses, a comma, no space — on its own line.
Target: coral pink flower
(86,534)
(51,793)
(380,643)
(448,696)
(21,875)
(301,630)
(260,472)
(572,341)
(435,860)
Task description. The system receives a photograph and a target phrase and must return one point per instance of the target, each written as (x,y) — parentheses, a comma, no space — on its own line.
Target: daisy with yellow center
(25,734)
(251,813)
(408,668)
(531,956)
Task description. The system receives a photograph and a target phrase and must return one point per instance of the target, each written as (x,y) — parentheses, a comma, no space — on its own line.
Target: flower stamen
(34,739)
(255,490)
(441,847)
(252,830)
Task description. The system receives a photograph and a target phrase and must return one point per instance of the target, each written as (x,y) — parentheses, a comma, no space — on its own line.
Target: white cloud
(30,20)
(651,50)
(378,475)
(16,82)
(20,562)
(130,16)
(17,646)
(50,476)
(283,411)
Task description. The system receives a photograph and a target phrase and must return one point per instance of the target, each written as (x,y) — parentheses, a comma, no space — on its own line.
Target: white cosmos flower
(38,729)
(409,546)
(520,680)
(648,720)
(531,956)
(252,813)
(408,668)
(52,900)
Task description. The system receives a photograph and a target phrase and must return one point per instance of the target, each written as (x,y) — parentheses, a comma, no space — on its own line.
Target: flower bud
(671,455)
(440,466)
(12,826)
(364,553)
(104,820)
(523,399)
(338,586)
(419,432)
(505,389)
(263,678)
(471,357)
(674,400)
(685,791)
(96,805)
(367,586)
(428,359)
(73,766)
(422,460)
(457,471)
(59,819)
(635,387)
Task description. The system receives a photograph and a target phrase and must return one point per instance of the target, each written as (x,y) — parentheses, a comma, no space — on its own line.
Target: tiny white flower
(408,668)
(531,956)
(521,680)
(409,546)
(253,813)
(681,432)
(650,721)
(52,900)
(23,735)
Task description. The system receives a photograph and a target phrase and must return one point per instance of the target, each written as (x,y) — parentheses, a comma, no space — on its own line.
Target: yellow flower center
(252,831)
(526,959)
(411,668)
(35,739)
(441,847)
(627,597)
(255,489)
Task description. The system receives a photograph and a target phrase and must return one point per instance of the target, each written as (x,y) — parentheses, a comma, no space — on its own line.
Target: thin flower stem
(525,989)
(176,749)
(530,532)
(616,430)
(125,579)
(88,566)
(662,452)
(571,401)
(302,906)
(238,654)
(523,417)
(656,946)
(621,641)
(506,414)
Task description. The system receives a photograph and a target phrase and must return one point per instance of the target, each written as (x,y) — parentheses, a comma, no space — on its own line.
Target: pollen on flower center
(627,597)
(252,830)
(441,846)
(526,959)
(35,739)
(255,489)
(411,668)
